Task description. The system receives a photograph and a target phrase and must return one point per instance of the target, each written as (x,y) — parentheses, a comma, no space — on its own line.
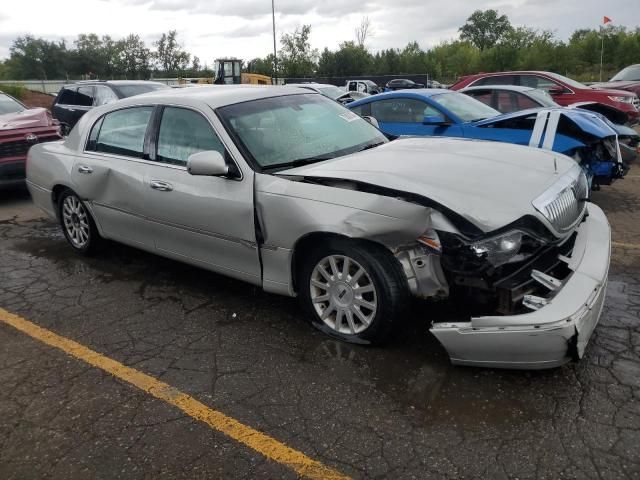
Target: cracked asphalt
(395,412)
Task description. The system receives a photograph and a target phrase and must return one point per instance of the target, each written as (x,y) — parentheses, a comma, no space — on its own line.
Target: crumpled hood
(490,184)
(34,117)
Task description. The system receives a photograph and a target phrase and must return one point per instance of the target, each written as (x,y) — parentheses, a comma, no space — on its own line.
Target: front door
(204,220)
(404,116)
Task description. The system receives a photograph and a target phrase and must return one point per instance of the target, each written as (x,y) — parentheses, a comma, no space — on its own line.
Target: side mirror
(372,121)
(556,91)
(209,162)
(433,120)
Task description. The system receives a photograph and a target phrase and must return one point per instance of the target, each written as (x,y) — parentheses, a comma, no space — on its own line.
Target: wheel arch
(312,239)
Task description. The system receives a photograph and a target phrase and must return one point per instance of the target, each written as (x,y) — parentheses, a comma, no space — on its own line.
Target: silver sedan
(288,190)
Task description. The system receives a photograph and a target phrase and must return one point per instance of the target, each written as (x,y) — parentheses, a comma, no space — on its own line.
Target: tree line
(487,42)
(103,57)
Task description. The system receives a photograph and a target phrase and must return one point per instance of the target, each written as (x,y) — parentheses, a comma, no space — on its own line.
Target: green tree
(484,29)
(133,58)
(36,58)
(297,58)
(170,58)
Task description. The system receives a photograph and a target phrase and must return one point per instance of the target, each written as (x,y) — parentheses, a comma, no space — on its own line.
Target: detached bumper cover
(552,335)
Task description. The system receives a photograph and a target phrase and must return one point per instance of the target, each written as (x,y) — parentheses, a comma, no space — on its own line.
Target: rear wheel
(353,290)
(77,224)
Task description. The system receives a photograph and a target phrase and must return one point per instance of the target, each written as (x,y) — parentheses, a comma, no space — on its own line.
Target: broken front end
(537,291)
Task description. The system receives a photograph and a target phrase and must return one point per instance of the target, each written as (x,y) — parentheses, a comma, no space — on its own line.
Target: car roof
(403,93)
(214,95)
(513,88)
(113,82)
(483,74)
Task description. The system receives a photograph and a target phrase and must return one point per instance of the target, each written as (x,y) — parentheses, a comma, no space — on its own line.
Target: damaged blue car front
(586,136)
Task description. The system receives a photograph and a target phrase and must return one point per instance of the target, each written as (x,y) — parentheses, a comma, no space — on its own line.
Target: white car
(288,190)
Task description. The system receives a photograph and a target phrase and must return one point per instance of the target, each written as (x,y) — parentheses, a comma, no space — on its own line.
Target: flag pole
(601,51)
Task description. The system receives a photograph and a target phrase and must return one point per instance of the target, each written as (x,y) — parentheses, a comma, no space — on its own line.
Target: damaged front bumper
(561,327)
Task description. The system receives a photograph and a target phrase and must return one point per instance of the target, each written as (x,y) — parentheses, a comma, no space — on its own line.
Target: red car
(21,127)
(626,79)
(564,91)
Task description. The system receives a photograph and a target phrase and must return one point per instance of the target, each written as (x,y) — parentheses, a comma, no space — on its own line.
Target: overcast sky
(242,28)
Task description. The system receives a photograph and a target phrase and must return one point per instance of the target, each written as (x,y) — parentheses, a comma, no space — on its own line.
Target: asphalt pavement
(401,411)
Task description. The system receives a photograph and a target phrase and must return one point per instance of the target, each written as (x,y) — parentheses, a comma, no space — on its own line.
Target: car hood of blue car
(589,122)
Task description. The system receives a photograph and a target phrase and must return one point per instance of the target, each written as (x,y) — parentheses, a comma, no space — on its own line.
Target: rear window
(67,96)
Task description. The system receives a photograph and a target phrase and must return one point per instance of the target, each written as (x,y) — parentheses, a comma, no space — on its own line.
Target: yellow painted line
(252,438)
(632,246)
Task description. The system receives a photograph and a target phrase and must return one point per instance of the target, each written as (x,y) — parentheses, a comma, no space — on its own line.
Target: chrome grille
(564,204)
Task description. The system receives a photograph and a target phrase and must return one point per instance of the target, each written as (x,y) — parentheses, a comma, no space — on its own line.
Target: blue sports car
(586,136)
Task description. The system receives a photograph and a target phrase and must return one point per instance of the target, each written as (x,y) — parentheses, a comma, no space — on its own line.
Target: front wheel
(353,290)
(77,224)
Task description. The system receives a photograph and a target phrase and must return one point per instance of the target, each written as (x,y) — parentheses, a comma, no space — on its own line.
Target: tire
(374,286)
(77,224)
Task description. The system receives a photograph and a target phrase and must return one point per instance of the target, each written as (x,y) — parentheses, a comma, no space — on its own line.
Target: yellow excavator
(228,71)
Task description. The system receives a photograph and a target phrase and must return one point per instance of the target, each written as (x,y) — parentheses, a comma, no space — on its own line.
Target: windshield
(464,107)
(132,90)
(628,74)
(541,97)
(9,105)
(567,80)
(331,91)
(282,131)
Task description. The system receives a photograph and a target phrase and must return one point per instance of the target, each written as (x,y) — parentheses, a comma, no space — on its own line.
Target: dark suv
(402,84)
(76,99)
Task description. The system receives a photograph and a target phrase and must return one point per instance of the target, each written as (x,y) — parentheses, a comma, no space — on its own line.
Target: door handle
(161,186)
(85,169)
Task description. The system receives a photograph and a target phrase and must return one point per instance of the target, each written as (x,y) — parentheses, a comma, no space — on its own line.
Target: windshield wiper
(298,162)
(371,145)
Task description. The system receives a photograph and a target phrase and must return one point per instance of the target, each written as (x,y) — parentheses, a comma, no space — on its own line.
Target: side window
(535,81)
(496,80)
(362,110)
(84,97)
(122,132)
(401,110)
(104,95)
(525,102)
(483,96)
(182,133)
(505,102)
(67,96)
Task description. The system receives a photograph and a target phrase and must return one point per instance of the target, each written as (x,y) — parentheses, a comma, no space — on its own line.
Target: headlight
(509,247)
(622,99)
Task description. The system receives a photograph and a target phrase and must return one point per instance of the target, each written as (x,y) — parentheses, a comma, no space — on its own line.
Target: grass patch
(16,91)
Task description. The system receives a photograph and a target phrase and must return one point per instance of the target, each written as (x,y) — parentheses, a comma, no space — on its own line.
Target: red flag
(606,20)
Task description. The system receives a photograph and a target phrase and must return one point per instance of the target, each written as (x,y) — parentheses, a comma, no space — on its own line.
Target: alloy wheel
(343,294)
(76,221)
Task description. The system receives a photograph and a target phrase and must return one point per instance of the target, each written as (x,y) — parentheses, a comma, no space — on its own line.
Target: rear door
(110,174)
(204,220)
